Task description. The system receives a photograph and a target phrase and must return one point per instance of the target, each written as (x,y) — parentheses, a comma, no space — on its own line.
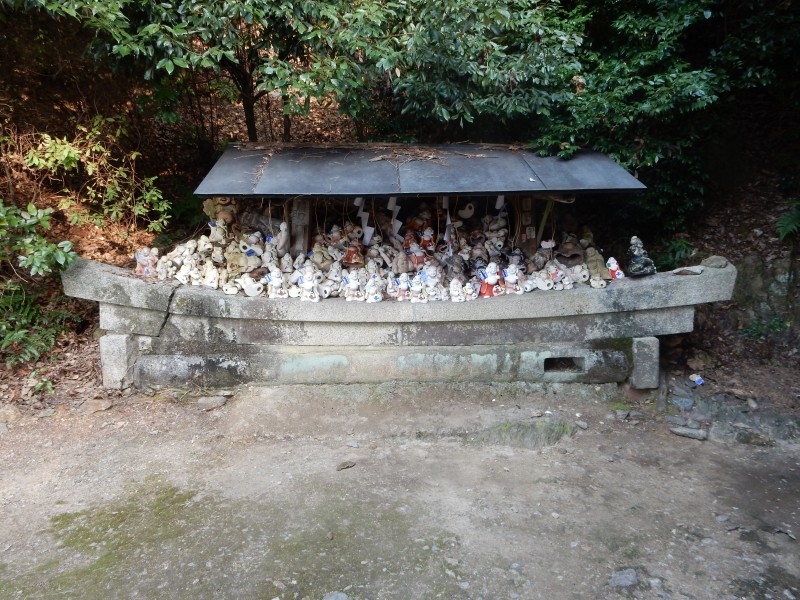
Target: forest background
(112,111)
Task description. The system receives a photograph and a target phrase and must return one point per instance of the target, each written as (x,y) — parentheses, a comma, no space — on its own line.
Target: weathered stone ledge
(166,333)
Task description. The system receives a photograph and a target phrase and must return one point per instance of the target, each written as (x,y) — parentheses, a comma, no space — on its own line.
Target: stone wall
(163,333)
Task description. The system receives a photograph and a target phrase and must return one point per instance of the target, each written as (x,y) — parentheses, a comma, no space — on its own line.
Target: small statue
(287,264)
(353,291)
(219,231)
(512,283)
(613,268)
(492,281)
(543,255)
(457,291)
(418,290)
(309,285)
(428,240)
(282,240)
(210,275)
(373,290)
(570,252)
(639,263)
(276,286)
(416,256)
(146,262)
(403,287)
(596,264)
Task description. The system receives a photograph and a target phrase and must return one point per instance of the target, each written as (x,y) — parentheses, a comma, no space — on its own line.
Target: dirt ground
(390,491)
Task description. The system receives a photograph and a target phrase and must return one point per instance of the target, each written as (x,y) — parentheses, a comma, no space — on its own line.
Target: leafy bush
(95,172)
(21,239)
(677,252)
(27,329)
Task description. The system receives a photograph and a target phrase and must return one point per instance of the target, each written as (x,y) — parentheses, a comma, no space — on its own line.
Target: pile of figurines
(471,260)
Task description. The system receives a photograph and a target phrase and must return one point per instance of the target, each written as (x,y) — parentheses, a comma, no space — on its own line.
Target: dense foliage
(643,81)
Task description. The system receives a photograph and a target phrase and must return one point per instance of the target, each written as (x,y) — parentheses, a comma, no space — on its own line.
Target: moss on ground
(162,541)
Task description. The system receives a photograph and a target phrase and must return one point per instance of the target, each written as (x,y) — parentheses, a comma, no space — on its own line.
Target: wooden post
(299,219)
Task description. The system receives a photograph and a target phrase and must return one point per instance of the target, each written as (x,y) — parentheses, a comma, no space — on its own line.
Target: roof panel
(328,172)
(467,170)
(396,170)
(586,171)
(235,173)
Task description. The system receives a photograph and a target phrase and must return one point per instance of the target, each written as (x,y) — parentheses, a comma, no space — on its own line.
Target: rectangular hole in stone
(564,364)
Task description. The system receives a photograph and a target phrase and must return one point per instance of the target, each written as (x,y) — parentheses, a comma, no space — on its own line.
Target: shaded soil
(157,498)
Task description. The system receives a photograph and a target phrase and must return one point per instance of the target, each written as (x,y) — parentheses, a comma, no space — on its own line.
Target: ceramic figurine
(613,268)
(210,275)
(352,254)
(184,272)
(221,210)
(251,249)
(373,291)
(427,240)
(403,286)
(401,264)
(249,286)
(543,280)
(491,281)
(146,262)
(416,256)
(165,269)
(570,252)
(639,263)
(309,285)
(204,245)
(418,289)
(580,273)
(597,282)
(472,290)
(596,264)
(517,257)
(431,278)
(457,291)
(543,255)
(512,283)
(276,285)
(286,263)
(321,259)
(335,271)
(231,288)
(219,231)
(282,240)
(529,284)
(269,255)
(218,255)
(334,236)
(353,290)
(297,269)
(421,221)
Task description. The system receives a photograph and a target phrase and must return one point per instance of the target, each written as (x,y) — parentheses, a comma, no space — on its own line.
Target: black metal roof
(408,170)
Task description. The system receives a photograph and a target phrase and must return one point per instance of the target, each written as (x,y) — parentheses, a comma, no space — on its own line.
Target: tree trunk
(249,106)
(287,128)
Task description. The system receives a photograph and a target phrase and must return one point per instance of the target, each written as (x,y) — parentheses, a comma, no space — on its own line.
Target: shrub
(21,239)
(27,329)
(98,176)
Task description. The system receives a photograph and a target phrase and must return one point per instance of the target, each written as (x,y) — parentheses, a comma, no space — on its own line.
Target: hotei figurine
(639,263)
(492,282)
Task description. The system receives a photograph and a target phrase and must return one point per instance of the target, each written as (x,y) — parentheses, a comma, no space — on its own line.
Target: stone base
(162,333)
